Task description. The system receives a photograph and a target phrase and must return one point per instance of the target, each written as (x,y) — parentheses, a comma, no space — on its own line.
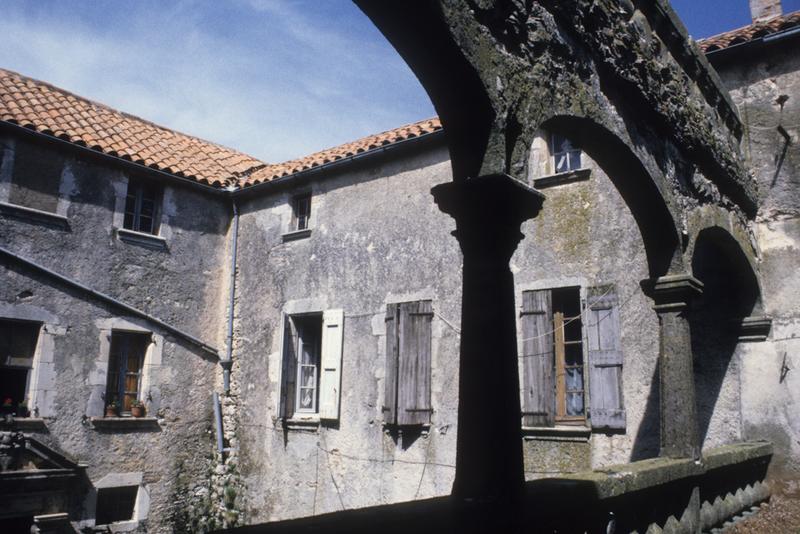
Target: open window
(125,363)
(116,504)
(408,363)
(563,346)
(18,340)
(142,207)
(311,370)
(566,156)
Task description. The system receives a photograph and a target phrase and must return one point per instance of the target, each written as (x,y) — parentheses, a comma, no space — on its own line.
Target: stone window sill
(140,238)
(32,215)
(29,423)
(543,182)
(557,433)
(308,423)
(125,423)
(296,234)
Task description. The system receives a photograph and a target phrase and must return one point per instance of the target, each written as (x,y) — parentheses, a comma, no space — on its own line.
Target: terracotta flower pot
(137,411)
(111,411)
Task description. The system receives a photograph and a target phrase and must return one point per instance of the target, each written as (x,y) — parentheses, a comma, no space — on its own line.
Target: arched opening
(632,180)
(731,293)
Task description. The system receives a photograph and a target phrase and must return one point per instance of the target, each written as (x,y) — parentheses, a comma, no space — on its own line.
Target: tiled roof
(52,111)
(372,142)
(751,32)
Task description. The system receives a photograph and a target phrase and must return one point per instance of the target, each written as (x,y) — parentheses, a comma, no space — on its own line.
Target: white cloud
(267,79)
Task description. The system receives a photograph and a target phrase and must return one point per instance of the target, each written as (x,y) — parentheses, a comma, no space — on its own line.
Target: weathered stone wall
(771,395)
(183,284)
(377,237)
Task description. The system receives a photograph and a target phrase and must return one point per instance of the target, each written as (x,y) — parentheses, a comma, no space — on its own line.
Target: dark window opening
(18,340)
(566,156)
(36,177)
(301,211)
(125,368)
(141,207)
(115,504)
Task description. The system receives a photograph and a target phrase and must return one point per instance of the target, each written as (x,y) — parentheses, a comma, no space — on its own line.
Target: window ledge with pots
(125,423)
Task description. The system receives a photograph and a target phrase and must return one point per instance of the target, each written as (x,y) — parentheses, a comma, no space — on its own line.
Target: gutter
(110,300)
(227,361)
(721,53)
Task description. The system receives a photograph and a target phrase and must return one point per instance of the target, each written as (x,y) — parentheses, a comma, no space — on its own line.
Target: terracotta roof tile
(53,111)
(751,32)
(272,172)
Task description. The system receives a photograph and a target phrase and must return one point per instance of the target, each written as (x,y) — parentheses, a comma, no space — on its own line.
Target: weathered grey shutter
(331,364)
(414,367)
(605,358)
(538,399)
(288,369)
(392,359)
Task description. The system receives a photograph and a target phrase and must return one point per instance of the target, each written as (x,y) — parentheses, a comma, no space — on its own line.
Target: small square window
(125,368)
(566,156)
(115,504)
(142,207)
(18,340)
(301,212)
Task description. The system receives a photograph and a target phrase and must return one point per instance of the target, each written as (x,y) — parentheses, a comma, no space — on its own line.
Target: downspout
(227,361)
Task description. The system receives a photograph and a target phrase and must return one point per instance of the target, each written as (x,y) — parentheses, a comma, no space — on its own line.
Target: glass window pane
(574,403)
(574,379)
(306,398)
(308,376)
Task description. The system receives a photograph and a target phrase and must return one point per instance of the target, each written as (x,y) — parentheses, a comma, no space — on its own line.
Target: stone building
(293,330)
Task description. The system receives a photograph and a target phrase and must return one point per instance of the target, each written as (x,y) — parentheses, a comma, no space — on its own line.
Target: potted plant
(112,409)
(7,408)
(22,409)
(137,408)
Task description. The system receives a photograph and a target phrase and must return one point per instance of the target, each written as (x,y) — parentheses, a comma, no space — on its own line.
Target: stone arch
(731,293)
(637,186)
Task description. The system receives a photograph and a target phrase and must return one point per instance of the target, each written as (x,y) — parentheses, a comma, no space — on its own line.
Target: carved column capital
(674,293)
(488,211)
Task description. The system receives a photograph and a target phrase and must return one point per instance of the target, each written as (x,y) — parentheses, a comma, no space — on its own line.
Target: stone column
(489,478)
(678,408)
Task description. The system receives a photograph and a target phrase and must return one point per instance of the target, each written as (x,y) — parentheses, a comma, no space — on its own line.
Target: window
(141,207)
(18,340)
(408,363)
(301,212)
(566,157)
(311,371)
(125,368)
(36,177)
(560,340)
(115,504)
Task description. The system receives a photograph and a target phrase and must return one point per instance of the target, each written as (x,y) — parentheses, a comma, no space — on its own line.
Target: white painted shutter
(331,363)
(605,359)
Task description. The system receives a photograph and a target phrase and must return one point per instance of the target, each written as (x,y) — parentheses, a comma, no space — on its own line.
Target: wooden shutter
(414,366)
(538,399)
(331,364)
(392,359)
(288,368)
(605,359)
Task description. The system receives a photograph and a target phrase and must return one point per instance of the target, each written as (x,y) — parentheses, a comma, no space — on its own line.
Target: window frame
(316,342)
(301,219)
(571,151)
(36,333)
(139,188)
(120,392)
(560,366)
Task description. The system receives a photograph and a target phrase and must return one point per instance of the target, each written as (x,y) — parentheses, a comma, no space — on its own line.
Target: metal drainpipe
(227,361)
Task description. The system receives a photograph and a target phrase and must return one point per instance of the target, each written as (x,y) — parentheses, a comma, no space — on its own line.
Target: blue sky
(277,79)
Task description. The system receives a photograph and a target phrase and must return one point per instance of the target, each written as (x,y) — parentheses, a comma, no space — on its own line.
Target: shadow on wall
(731,293)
